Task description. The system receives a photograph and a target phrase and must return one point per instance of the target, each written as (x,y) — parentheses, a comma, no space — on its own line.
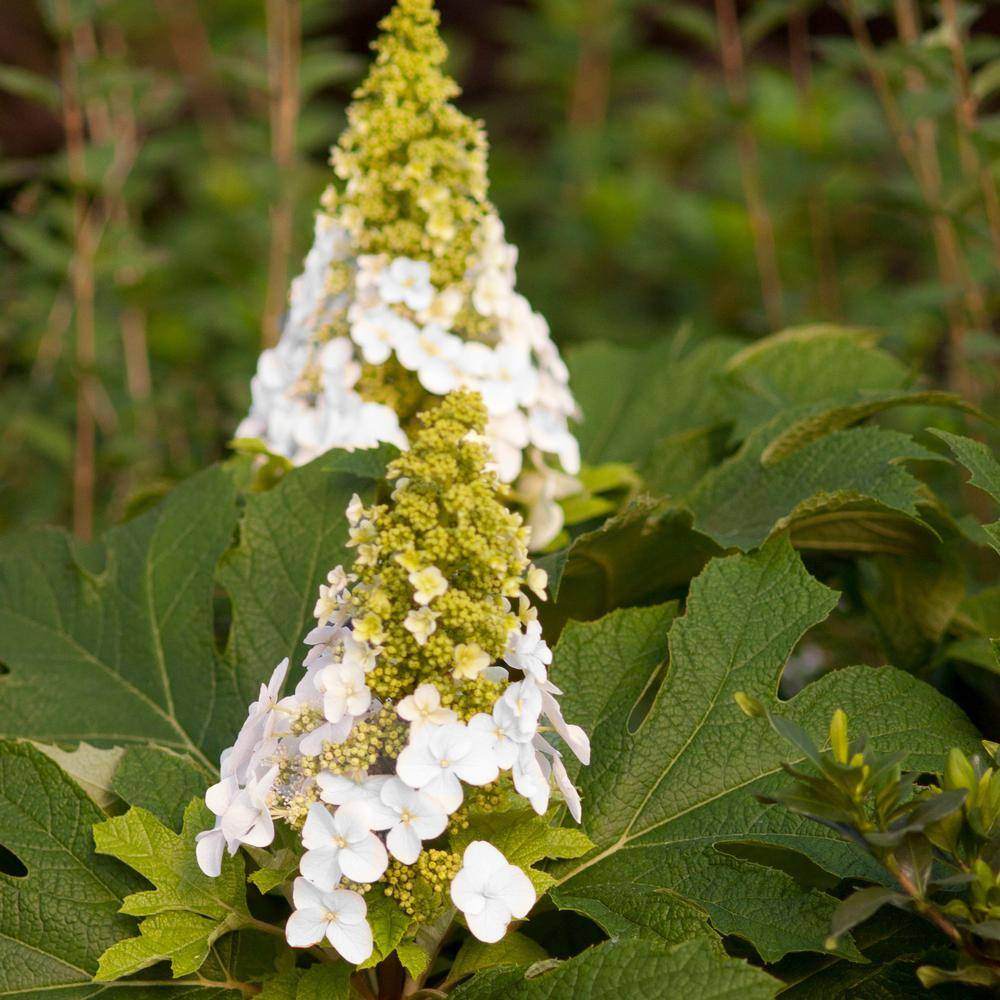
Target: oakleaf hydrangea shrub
(409,291)
(425,700)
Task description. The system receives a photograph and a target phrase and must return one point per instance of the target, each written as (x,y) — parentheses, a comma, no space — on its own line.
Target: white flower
(568,789)
(344,691)
(311,745)
(421,624)
(502,744)
(528,652)
(324,640)
(423,707)
(247,818)
(490,891)
(407,281)
(507,437)
(427,584)
(439,758)
(413,817)
(540,490)
(361,655)
(550,434)
(357,786)
(531,777)
(518,708)
(492,294)
(377,333)
(576,739)
(433,354)
(208,849)
(469,661)
(339,916)
(341,844)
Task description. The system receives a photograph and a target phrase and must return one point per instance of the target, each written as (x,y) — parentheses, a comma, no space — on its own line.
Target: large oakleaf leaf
(628,969)
(115,643)
(673,774)
(58,918)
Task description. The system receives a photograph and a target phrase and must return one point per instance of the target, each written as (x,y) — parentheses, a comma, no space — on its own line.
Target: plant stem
(283,47)
(761,227)
(81,278)
(965,118)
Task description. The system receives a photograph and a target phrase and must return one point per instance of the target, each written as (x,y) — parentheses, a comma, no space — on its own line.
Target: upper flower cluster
(409,291)
(425,700)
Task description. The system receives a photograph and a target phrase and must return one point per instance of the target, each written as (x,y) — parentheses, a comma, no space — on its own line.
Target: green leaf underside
(628,969)
(121,651)
(662,790)
(743,502)
(57,920)
(186,910)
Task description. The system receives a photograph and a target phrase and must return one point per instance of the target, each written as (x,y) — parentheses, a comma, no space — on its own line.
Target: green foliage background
(618,163)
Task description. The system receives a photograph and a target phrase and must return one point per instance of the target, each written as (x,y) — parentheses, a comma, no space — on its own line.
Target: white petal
(445,790)
(305,928)
(404,843)
(467,892)
(208,850)
(306,895)
(319,827)
(321,867)
(514,888)
(349,906)
(352,941)
(220,795)
(364,861)
(490,923)
(568,789)
(416,766)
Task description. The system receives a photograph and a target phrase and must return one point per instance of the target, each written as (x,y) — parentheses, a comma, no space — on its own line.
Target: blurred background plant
(739,167)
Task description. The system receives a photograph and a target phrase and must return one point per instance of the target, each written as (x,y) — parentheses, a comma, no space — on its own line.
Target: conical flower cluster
(409,291)
(425,696)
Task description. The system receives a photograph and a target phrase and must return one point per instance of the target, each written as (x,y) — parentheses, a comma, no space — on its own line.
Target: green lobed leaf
(325,982)
(805,365)
(635,557)
(181,893)
(631,398)
(114,643)
(56,921)
(984,468)
(512,949)
(672,782)
(161,781)
(628,969)
(742,502)
(388,923)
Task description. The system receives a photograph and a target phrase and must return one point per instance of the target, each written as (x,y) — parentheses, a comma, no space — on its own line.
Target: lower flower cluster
(426,678)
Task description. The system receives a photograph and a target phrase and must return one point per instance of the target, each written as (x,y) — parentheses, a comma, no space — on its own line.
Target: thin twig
(283,46)
(762,229)
(819,217)
(965,117)
(82,279)
(588,103)
(919,151)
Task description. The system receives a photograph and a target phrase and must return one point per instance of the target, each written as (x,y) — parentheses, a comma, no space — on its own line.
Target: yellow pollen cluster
(414,167)
(439,567)
(382,736)
(421,889)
